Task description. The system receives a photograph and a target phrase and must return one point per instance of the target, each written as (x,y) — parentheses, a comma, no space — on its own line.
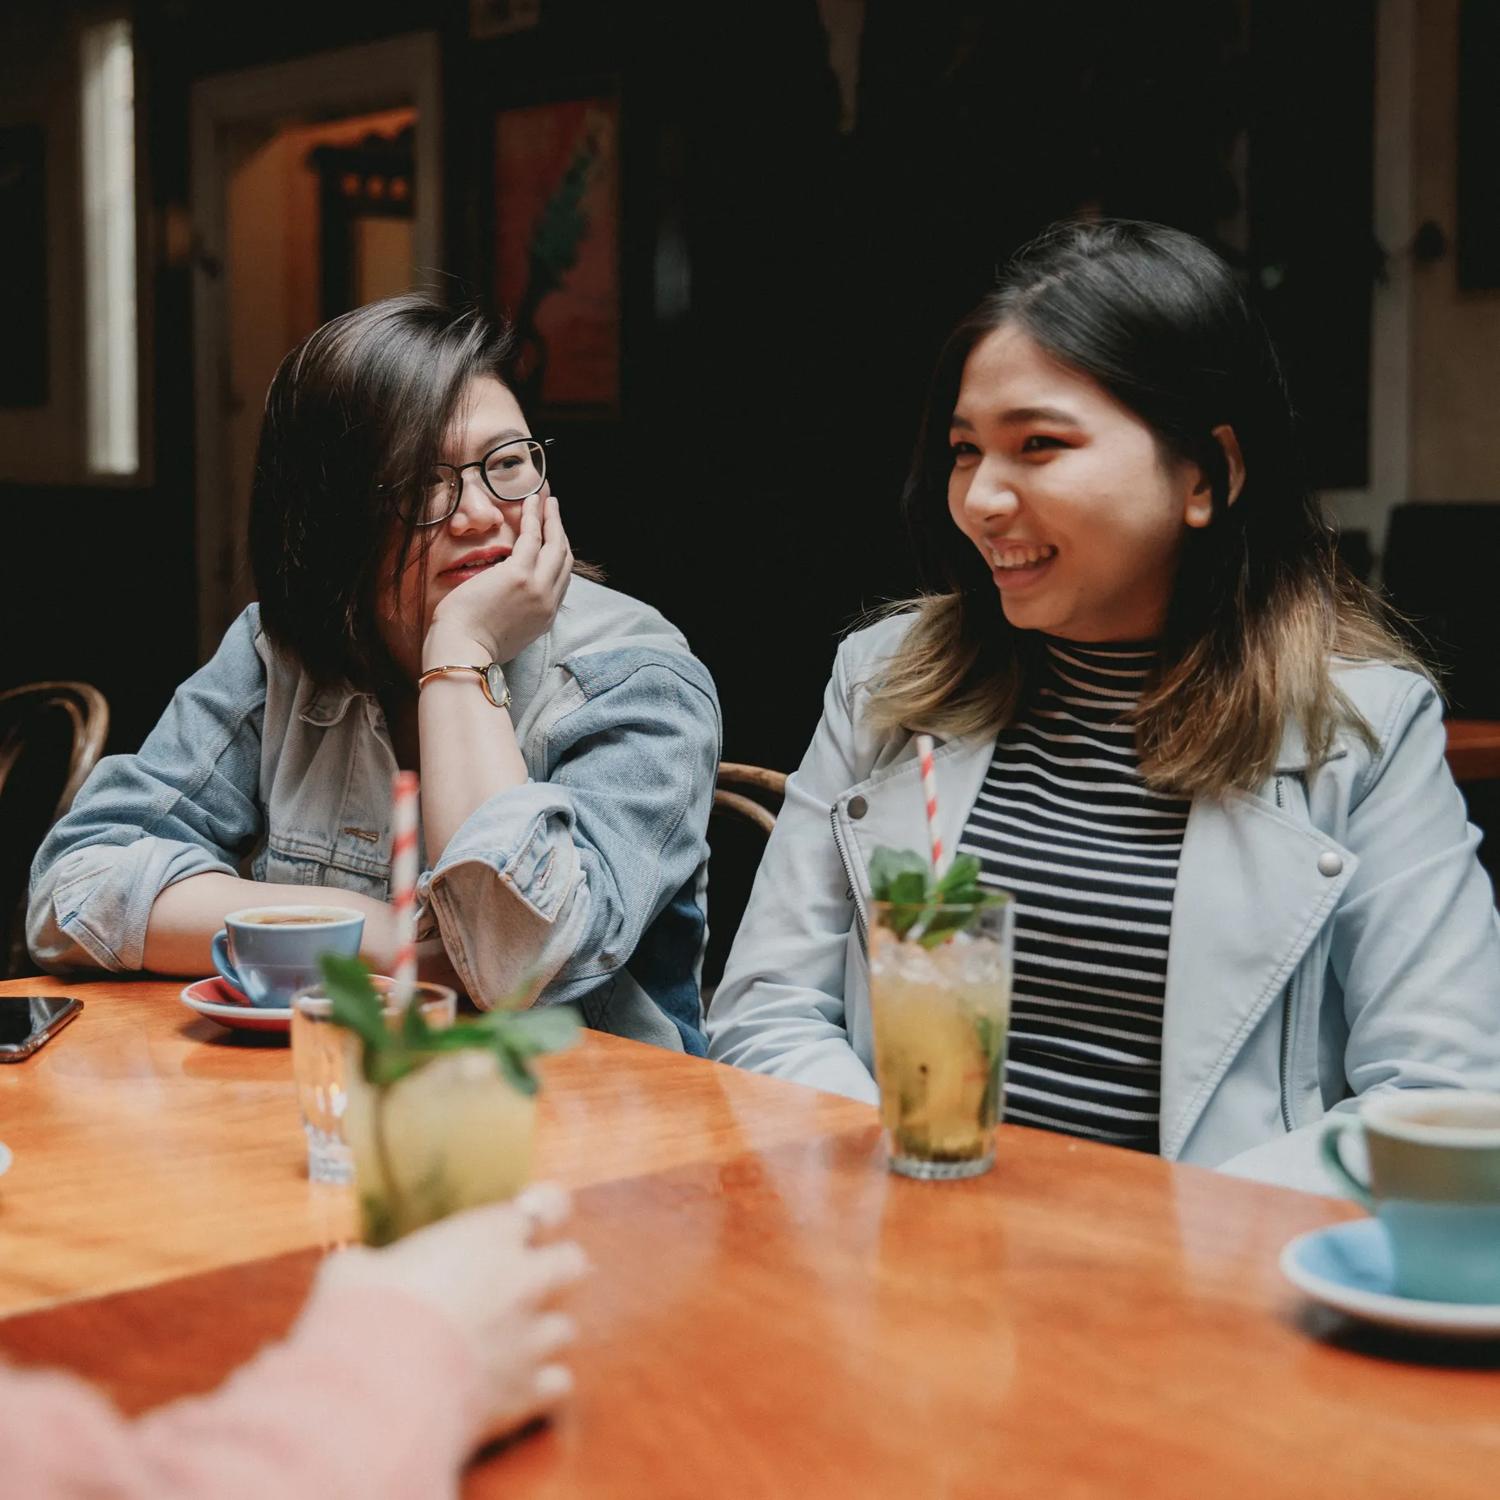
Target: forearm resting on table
(185,917)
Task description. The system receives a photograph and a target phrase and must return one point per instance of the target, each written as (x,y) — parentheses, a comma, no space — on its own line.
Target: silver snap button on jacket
(858,807)
(1329,863)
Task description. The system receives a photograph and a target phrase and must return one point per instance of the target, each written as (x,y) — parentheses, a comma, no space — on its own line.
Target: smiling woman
(1093,552)
(420,607)
(1175,729)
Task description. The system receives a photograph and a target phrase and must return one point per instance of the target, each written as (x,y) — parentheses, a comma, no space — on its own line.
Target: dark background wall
(749,484)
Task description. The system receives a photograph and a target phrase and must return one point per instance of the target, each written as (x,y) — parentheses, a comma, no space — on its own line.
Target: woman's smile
(1014,565)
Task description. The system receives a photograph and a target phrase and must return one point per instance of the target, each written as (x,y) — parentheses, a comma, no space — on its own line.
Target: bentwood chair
(739,787)
(746,801)
(51,737)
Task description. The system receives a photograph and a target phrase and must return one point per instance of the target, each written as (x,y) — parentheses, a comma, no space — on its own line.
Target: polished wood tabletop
(150,1142)
(772,1314)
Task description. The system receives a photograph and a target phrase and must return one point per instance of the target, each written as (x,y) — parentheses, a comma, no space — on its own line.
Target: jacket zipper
(1286,1033)
(838,843)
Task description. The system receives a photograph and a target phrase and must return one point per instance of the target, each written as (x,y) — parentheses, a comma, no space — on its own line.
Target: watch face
(495,680)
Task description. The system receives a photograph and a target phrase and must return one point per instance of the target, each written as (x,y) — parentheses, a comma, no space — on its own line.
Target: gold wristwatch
(491,681)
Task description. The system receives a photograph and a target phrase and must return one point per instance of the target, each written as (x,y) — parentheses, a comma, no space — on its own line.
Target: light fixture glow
(112,422)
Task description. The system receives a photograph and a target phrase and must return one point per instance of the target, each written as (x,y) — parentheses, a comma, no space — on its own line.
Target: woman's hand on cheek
(504,609)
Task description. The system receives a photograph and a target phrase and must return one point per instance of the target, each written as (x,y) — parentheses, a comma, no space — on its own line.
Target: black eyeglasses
(513,470)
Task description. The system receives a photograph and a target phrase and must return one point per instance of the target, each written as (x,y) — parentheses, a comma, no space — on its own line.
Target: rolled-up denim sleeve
(547,888)
(185,804)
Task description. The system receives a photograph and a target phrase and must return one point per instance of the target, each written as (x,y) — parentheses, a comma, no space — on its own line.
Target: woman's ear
(1234,460)
(1199,510)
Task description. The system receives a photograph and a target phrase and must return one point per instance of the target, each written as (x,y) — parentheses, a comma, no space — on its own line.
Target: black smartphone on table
(27,1021)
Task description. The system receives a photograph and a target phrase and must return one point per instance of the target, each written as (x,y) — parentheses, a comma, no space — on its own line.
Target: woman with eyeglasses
(419,607)
(1173,726)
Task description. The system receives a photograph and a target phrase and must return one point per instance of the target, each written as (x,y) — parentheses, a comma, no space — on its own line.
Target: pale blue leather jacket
(591,877)
(1331,934)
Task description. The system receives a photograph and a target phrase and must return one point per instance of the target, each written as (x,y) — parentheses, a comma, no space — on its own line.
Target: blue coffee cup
(1434,1157)
(271,952)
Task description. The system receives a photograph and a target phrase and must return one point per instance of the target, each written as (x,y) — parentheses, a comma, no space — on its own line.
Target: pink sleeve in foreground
(370,1396)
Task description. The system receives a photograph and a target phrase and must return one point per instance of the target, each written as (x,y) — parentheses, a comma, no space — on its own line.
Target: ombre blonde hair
(1261,609)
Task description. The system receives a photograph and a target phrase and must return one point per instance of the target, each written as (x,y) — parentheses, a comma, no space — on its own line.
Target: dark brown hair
(355,417)
(1260,604)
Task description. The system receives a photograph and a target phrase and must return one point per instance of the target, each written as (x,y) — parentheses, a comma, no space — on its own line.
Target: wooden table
(1474,749)
(772,1314)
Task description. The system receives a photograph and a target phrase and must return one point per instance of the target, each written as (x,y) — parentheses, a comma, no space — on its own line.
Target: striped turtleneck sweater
(1065,822)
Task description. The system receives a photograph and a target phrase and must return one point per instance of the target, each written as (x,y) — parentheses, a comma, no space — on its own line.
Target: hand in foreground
(482,1273)
(505,608)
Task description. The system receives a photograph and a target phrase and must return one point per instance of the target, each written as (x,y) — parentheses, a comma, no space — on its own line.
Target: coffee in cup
(271,952)
(287,919)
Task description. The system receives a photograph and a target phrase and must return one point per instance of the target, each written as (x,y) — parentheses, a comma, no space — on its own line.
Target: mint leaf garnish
(389,1053)
(904,880)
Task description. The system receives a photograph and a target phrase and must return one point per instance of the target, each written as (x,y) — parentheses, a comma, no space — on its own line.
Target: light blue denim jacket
(1331,934)
(590,877)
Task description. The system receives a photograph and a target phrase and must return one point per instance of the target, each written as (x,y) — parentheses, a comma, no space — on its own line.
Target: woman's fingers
(551,1334)
(543,1205)
(556,559)
(551,1269)
(553,1384)
(555,537)
(529,538)
(523,1395)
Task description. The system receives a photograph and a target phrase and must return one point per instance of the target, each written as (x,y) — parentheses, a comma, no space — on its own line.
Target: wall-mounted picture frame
(557,250)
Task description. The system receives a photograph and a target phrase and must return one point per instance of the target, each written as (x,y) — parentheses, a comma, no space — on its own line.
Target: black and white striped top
(1065,822)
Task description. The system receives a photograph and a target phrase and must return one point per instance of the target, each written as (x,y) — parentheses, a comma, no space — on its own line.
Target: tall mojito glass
(438,1118)
(940,997)
(451,1135)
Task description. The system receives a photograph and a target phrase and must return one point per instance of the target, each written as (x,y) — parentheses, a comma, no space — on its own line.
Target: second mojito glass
(940,981)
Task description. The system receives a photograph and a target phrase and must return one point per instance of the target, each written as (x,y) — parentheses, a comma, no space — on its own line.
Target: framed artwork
(557,250)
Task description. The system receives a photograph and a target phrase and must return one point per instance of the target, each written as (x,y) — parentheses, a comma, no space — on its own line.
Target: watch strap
(492,681)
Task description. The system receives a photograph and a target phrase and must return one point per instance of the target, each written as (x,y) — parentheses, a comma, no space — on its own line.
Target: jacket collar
(1295,759)
(888,809)
(326,706)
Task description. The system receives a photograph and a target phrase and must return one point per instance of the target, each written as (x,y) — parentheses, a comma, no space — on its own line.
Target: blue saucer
(1348,1267)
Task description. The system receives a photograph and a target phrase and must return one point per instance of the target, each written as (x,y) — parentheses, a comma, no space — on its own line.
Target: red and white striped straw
(929,792)
(404,881)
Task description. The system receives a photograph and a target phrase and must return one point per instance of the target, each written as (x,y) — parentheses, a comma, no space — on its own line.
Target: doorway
(315,189)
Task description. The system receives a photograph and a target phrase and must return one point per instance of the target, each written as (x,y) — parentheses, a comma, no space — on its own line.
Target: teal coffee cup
(271,952)
(1434,1159)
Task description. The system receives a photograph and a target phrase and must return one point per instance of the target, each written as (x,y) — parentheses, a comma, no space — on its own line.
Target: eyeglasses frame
(457,471)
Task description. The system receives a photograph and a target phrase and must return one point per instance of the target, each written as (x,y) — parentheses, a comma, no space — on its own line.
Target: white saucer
(1348,1267)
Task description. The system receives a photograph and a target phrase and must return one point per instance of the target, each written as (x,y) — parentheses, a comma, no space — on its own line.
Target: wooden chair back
(51,737)
(746,801)
(746,790)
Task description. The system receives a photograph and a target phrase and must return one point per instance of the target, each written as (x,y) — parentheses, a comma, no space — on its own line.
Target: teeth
(1019,556)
